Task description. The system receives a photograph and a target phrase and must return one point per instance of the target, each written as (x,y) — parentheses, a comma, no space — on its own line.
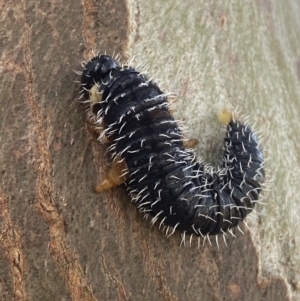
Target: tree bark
(59,240)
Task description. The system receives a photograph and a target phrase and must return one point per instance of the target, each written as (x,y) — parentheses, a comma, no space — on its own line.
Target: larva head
(95,70)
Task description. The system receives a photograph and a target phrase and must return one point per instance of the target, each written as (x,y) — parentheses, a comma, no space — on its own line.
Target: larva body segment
(164,179)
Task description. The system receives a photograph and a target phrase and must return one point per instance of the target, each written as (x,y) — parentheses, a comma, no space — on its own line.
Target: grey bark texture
(58,239)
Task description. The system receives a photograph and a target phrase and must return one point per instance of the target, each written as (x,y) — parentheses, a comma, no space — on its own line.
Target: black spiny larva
(162,176)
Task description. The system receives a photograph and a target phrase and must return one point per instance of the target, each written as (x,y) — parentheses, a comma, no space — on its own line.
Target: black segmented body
(165,180)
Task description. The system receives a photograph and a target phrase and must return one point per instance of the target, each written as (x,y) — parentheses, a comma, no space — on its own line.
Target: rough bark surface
(58,239)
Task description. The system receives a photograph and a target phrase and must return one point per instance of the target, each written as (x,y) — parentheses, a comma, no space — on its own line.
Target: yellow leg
(96,131)
(117,175)
(172,100)
(191,142)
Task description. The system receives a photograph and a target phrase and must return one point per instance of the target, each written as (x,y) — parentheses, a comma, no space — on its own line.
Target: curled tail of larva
(214,201)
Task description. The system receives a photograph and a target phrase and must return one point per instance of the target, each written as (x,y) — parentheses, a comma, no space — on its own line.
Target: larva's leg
(96,130)
(187,142)
(224,116)
(117,175)
(191,142)
(92,128)
(172,100)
